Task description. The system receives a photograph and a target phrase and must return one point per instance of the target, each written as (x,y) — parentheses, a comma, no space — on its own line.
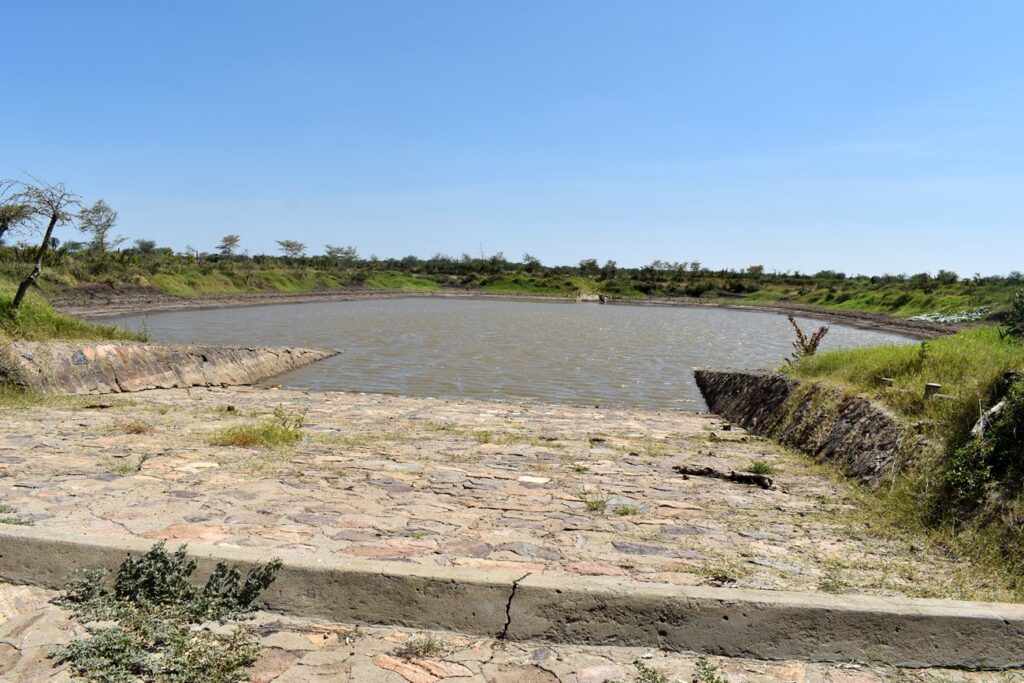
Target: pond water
(582,354)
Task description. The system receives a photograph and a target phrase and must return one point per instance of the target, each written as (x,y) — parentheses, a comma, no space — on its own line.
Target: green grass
(281,429)
(407,283)
(967,365)
(760,467)
(36,320)
(964,496)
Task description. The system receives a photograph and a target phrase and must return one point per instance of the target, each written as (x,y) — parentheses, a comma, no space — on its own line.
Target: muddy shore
(104,301)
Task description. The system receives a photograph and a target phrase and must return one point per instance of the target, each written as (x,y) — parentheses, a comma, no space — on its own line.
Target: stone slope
(116,367)
(862,437)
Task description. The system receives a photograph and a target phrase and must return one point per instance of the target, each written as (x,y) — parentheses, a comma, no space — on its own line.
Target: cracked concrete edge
(578,610)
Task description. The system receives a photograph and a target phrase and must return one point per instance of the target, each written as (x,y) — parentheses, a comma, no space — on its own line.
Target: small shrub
(627,510)
(157,615)
(1015,318)
(761,467)
(648,674)
(707,672)
(282,429)
(992,460)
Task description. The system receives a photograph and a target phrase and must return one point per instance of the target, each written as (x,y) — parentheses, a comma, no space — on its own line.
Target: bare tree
(98,220)
(228,244)
(53,204)
(291,248)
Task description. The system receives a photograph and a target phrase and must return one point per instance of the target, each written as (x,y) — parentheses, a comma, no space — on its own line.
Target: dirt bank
(106,301)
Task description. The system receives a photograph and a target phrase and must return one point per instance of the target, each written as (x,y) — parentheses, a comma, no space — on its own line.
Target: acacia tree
(342,256)
(292,248)
(53,204)
(228,244)
(12,213)
(98,220)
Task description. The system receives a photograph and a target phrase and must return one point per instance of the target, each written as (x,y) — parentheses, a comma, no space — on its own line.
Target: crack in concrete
(508,606)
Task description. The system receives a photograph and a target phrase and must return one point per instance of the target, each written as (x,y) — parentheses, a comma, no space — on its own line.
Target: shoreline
(99,302)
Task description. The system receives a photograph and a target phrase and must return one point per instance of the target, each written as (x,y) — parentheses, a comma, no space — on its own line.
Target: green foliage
(760,467)
(157,613)
(706,672)
(282,429)
(968,365)
(993,461)
(407,283)
(648,674)
(1015,318)
(965,492)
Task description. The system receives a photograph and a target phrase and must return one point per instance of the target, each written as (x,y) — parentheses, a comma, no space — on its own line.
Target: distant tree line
(32,212)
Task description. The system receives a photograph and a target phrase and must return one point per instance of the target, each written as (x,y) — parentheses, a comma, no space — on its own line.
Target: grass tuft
(282,429)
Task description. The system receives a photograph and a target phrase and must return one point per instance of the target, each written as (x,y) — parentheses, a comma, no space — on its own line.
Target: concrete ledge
(769,624)
(115,367)
(587,610)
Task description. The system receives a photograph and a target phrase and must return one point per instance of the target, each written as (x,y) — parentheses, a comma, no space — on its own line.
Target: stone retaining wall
(115,367)
(860,436)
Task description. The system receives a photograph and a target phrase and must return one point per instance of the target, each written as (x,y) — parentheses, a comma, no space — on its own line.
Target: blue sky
(859,136)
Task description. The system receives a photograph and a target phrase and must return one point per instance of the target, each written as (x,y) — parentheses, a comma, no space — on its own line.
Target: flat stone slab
(532,521)
(527,488)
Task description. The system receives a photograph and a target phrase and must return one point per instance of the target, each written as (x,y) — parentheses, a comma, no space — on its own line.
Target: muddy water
(583,354)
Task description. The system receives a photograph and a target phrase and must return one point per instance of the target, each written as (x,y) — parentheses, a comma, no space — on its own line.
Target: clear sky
(864,136)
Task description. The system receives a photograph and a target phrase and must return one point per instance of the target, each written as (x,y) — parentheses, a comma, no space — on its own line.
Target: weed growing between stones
(594,502)
(832,578)
(646,673)
(160,631)
(420,648)
(9,518)
(126,466)
(284,428)
(761,467)
(707,672)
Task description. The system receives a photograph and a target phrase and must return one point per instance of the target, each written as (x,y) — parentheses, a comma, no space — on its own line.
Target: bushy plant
(992,460)
(1015,319)
(157,635)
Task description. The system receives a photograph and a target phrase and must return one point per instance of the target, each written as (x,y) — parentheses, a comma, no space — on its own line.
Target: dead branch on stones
(805,346)
(747,478)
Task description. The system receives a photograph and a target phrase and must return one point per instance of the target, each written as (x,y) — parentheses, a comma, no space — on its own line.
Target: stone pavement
(537,488)
(297,650)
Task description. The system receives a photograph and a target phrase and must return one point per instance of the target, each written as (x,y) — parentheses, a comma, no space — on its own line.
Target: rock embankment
(115,367)
(863,438)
